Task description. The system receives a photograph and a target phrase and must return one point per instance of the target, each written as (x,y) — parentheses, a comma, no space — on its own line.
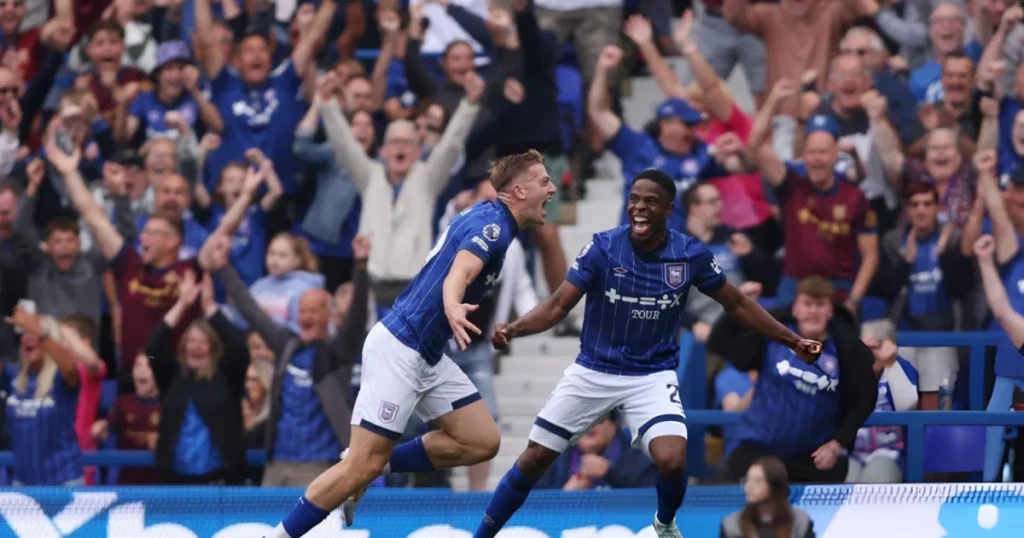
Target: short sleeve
(728,381)
(586,268)
(287,77)
(909,369)
(865,220)
(707,273)
(628,145)
(483,238)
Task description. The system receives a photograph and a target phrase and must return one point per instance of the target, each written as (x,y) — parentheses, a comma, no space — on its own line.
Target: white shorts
(934,365)
(650,404)
(397,381)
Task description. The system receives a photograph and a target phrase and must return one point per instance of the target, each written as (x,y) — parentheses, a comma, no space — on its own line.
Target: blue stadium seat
(570,102)
(954,449)
(873,308)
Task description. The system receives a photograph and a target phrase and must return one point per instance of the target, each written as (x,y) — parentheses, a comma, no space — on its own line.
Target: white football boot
(666,531)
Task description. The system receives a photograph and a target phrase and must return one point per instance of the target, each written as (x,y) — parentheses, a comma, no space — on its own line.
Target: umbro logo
(620,271)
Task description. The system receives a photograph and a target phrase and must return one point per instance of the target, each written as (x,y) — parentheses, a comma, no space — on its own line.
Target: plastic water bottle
(945,395)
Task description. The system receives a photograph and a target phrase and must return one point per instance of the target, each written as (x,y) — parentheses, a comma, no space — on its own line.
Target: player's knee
(487,444)
(669,455)
(535,460)
(365,467)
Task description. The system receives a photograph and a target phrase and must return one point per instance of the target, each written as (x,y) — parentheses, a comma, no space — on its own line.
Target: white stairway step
(541,366)
(517,406)
(546,345)
(536,386)
(512,426)
(605,189)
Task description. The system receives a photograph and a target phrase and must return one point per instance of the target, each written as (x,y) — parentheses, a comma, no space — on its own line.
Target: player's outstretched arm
(543,317)
(466,267)
(750,314)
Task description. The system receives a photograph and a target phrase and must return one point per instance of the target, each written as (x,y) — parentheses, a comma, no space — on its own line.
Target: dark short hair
(81,323)
(454,44)
(690,195)
(62,224)
(661,178)
(920,187)
(957,55)
(106,25)
(505,170)
(817,287)
(172,220)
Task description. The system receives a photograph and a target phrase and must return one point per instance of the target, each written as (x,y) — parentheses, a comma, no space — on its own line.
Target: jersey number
(673,395)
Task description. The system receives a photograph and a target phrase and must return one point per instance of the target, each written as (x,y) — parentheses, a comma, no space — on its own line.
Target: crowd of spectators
(206,202)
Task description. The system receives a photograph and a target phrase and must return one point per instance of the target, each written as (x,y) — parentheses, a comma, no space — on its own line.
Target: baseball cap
(678,108)
(171,51)
(823,122)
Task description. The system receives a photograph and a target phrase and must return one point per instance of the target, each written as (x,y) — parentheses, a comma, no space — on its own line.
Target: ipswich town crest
(674,274)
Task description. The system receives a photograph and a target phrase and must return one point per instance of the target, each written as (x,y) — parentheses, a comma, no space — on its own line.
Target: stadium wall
(897,511)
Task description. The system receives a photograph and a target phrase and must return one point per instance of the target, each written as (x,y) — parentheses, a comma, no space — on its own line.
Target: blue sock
(411,457)
(671,490)
(508,497)
(303,517)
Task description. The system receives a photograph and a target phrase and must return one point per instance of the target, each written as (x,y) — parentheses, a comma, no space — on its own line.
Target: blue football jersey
(635,299)
(417,319)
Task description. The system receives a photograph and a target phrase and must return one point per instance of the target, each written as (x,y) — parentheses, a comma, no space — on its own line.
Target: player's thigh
(389,389)
(653,408)
(454,404)
(578,402)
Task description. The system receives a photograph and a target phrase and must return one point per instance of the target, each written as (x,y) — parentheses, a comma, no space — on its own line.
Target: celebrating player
(404,367)
(636,278)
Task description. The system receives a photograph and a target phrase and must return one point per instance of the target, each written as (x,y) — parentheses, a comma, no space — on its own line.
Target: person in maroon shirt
(135,419)
(113,85)
(829,225)
(147,282)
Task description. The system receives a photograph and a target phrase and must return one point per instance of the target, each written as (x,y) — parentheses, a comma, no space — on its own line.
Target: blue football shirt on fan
(42,431)
(796,405)
(927,292)
(635,299)
(303,432)
(417,318)
(258,117)
(195,454)
(1008,359)
(150,111)
(248,244)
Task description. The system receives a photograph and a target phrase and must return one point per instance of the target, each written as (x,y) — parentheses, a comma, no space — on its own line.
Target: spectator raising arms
(147,281)
(41,405)
(202,386)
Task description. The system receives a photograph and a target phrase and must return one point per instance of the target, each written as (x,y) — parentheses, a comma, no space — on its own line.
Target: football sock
(671,490)
(410,457)
(302,518)
(508,497)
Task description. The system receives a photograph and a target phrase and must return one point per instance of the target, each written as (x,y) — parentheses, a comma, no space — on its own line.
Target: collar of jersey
(511,218)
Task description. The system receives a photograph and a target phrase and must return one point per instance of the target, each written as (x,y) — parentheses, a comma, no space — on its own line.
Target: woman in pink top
(744,204)
(77,330)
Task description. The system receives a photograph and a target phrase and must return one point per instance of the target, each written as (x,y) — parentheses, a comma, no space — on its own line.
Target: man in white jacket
(399,190)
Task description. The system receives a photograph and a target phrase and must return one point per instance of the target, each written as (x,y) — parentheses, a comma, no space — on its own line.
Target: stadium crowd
(206,202)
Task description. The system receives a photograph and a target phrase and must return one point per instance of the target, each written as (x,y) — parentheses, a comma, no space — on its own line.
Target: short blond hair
(505,170)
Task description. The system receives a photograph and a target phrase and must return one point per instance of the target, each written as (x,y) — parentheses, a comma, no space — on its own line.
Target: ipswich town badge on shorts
(387,412)
(674,274)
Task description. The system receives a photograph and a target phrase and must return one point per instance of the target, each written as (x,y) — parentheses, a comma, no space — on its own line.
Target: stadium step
(513,405)
(534,386)
(544,345)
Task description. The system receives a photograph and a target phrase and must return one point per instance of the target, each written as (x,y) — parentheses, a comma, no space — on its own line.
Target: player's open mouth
(641,225)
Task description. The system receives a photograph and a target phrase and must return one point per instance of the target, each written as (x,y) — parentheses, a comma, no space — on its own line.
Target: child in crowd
(292,269)
(135,419)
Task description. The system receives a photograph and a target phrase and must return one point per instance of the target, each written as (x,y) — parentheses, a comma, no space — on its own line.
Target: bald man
(311,394)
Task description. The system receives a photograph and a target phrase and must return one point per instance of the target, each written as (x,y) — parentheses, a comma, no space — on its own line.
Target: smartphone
(27,305)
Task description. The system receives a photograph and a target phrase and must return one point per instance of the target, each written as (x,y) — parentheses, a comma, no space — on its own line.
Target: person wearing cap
(260,105)
(831,230)
(177,91)
(670,144)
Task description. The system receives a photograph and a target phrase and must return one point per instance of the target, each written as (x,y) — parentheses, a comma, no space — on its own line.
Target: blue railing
(693,374)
